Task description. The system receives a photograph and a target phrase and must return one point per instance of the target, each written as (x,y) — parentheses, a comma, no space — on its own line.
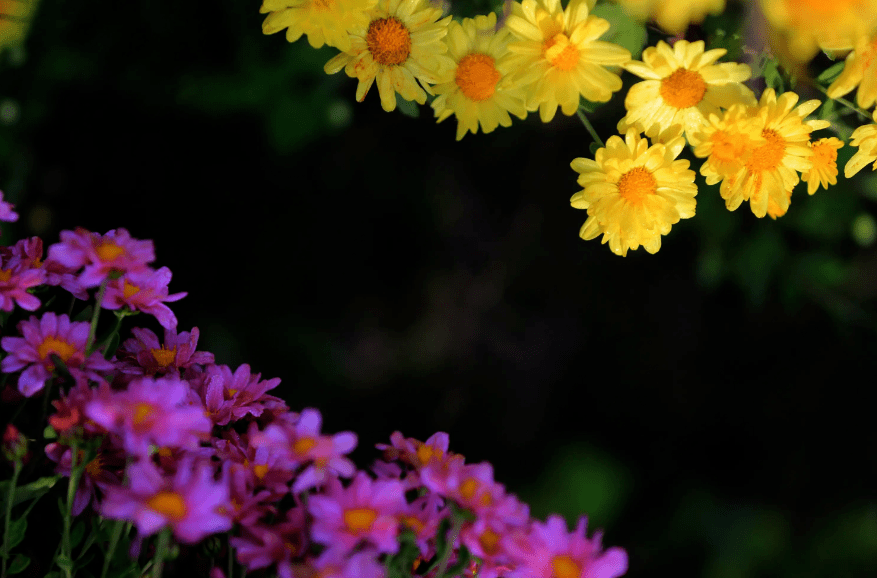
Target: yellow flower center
(303,445)
(413,523)
(164,357)
(108,251)
(824,155)
(229,393)
(489,541)
(560,52)
(57,346)
(389,41)
(5,274)
(683,88)
(477,76)
(426,453)
(769,155)
(142,412)
(468,488)
(636,184)
(128,289)
(564,567)
(95,466)
(359,520)
(168,504)
(728,146)
(260,470)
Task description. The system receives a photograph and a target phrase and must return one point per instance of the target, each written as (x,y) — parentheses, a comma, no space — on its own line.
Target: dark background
(709,406)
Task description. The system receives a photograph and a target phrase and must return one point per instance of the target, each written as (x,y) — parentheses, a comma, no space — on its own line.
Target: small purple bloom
(261,546)
(7,211)
(50,335)
(335,563)
(232,396)
(191,502)
(146,291)
(144,354)
(101,255)
(17,275)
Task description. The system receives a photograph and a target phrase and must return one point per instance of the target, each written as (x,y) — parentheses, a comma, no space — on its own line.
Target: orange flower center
(57,346)
(769,155)
(477,76)
(637,184)
(824,155)
(683,88)
(142,413)
(728,146)
(164,357)
(168,504)
(260,470)
(229,393)
(389,41)
(489,541)
(564,567)
(359,520)
(468,488)
(95,466)
(5,274)
(413,523)
(108,251)
(560,52)
(426,453)
(128,289)
(303,445)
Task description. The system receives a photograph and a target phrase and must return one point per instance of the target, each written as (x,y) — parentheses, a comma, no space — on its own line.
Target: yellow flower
(683,86)
(634,192)
(324,21)
(674,16)
(401,45)
(859,70)
(15,17)
(558,58)
(810,25)
(724,141)
(824,171)
(770,170)
(865,138)
(473,90)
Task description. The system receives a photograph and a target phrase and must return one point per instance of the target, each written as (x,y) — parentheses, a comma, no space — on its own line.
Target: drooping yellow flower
(725,141)
(770,170)
(399,46)
(634,192)
(824,171)
(558,58)
(474,91)
(865,138)
(859,70)
(811,25)
(15,16)
(682,86)
(674,16)
(324,21)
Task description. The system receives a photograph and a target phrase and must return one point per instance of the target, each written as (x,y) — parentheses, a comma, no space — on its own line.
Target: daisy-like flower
(811,25)
(46,337)
(682,85)
(824,171)
(17,276)
(673,16)
(401,45)
(558,58)
(101,255)
(724,141)
(770,171)
(145,354)
(261,546)
(324,21)
(550,550)
(865,138)
(191,502)
(634,192)
(230,396)
(859,70)
(475,92)
(144,291)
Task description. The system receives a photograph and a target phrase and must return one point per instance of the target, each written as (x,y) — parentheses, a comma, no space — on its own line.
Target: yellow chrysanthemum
(811,25)
(401,45)
(724,141)
(682,86)
(15,16)
(473,90)
(558,58)
(770,170)
(634,192)
(824,171)
(324,21)
(865,138)
(859,70)
(674,16)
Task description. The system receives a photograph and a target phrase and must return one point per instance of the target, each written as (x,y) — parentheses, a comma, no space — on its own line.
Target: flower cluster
(152,432)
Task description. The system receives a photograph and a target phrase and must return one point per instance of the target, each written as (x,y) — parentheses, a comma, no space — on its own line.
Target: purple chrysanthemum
(152,411)
(231,396)
(101,255)
(146,291)
(365,512)
(261,546)
(17,275)
(43,338)
(191,502)
(145,354)
(335,563)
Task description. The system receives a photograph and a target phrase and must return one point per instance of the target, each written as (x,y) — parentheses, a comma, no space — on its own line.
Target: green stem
(230,557)
(161,549)
(863,113)
(75,472)
(111,549)
(95,314)
(106,342)
(590,128)
(446,555)
(10,496)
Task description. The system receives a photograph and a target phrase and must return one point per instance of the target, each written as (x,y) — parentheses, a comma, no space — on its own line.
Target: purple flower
(231,396)
(101,255)
(191,502)
(367,511)
(50,335)
(549,550)
(144,290)
(262,546)
(17,275)
(152,411)
(101,472)
(7,212)
(335,563)
(144,354)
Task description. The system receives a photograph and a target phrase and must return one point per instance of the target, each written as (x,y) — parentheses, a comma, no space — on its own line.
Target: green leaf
(831,73)
(35,489)
(407,107)
(19,563)
(49,433)
(64,563)
(17,530)
(772,76)
(623,30)
(463,558)
(76,533)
